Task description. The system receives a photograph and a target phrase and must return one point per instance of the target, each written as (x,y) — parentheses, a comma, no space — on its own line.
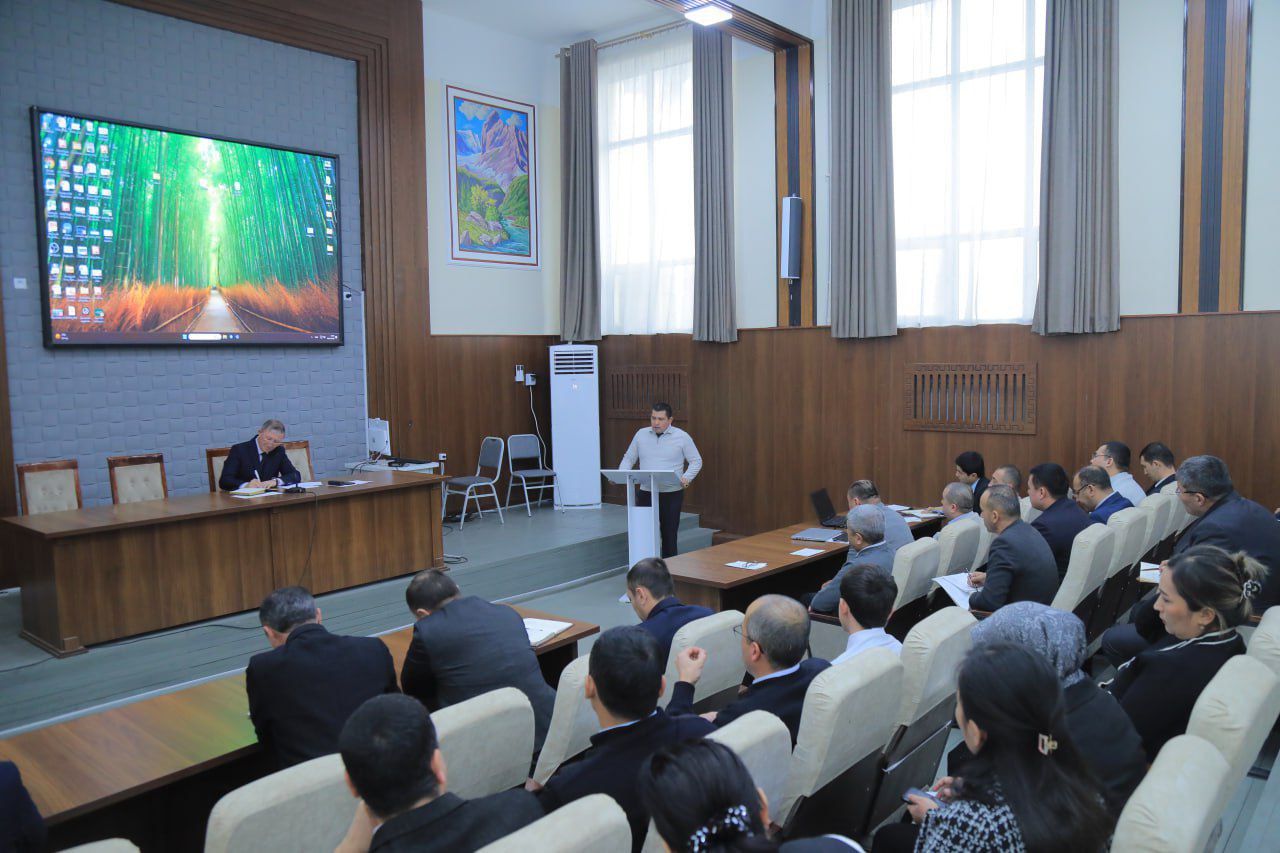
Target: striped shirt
(667,451)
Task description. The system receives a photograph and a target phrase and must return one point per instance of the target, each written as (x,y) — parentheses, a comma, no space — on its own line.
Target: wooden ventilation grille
(630,391)
(971,397)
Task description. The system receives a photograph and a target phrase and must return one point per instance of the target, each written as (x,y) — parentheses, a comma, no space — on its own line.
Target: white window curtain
(646,185)
(968,78)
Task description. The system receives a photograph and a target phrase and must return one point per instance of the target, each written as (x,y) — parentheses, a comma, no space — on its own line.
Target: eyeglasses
(737,632)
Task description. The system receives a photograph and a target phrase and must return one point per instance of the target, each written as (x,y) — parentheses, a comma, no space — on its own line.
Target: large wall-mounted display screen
(153,236)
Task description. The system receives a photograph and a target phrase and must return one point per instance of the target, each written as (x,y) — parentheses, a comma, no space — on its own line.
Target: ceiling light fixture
(708,15)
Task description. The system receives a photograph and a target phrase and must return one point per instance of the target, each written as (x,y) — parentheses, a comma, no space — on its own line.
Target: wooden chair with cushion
(215,458)
(300,455)
(137,478)
(49,486)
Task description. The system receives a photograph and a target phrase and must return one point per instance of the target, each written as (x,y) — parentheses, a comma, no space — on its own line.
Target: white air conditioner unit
(575,423)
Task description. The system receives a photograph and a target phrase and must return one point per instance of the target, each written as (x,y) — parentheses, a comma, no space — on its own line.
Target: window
(968,77)
(646,185)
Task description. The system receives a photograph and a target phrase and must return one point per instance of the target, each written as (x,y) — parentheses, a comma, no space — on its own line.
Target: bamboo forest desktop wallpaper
(156,236)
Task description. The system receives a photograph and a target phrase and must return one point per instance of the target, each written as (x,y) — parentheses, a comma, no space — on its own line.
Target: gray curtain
(864,291)
(1078,290)
(580,214)
(714,309)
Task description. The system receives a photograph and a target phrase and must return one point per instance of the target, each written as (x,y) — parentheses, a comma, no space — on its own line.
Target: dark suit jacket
(782,696)
(613,762)
(451,824)
(1154,488)
(244,460)
(469,647)
(1113,504)
(1239,524)
(301,694)
(21,827)
(669,616)
(1020,567)
(1059,525)
(979,487)
(1106,740)
(1158,688)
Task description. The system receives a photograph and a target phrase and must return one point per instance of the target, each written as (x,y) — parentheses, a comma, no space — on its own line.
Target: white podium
(643,536)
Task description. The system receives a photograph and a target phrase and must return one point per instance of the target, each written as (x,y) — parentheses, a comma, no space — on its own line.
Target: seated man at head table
(464,646)
(653,599)
(304,689)
(866,602)
(1020,564)
(866,545)
(896,530)
(397,773)
(624,682)
(259,462)
(775,638)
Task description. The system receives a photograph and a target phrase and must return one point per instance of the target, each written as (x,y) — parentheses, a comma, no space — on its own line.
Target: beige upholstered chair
(591,824)
(984,544)
(299,453)
(1028,512)
(572,721)
(849,713)
(487,742)
(215,458)
(1178,804)
(914,568)
(724,667)
(1236,711)
(137,478)
(958,546)
(1181,518)
(1161,509)
(1091,559)
(49,486)
(1264,644)
(1131,527)
(827,639)
(110,845)
(306,807)
(763,743)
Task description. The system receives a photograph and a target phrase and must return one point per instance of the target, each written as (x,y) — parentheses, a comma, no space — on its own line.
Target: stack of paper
(541,630)
(922,514)
(743,564)
(309,484)
(1149,572)
(897,507)
(244,492)
(957,586)
(808,552)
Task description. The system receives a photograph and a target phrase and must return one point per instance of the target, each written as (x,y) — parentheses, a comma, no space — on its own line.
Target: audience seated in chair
(703,798)
(304,689)
(653,599)
(21,826)
(1114,457)
(865,525)
(775,636)
(1157,463)
(464,646)
(1103,734)
(1026,786)
(1203,597)
(896,530)
(624,682)
(1020,566)
(1007,475)
(396,771)
(957,504)
(866,600)
(1060,517)
(971,470)
(1095,495)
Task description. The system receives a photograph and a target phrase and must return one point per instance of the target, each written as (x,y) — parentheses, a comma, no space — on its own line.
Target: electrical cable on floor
(311,541)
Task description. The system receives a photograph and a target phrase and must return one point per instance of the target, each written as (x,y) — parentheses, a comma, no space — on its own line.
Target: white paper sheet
(898,507)
(1149,572)
(807,552)
(541,630)
(957,586)
(743,564)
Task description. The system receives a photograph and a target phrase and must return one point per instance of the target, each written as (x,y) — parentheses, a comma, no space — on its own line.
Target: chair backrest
(523,447)
(1264,644)
(137,478)
(1130,526)
(490,460)
(931,655)
(487,742)
(1181,518)
(572,721)
(849,713)
(1161,509)
(985,538)
(763,743)
(299,453)
(592,823)
(915,565)
(110,845)
(724,667)
(958,546)
(305,807)
(214,459)
(1091,558)
(1178,803)
(49,486)
(1028,512)
(1235,712)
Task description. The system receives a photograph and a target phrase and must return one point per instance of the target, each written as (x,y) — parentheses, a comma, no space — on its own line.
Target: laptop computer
(827,515)
(820,534)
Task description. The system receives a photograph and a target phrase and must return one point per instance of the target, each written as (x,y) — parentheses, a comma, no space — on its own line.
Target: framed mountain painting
(493,182)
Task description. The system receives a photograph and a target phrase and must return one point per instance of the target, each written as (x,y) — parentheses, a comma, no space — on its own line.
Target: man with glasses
(1113,457)
(1094,494)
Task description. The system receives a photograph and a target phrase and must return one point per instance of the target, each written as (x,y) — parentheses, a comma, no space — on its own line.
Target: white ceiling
(557,22)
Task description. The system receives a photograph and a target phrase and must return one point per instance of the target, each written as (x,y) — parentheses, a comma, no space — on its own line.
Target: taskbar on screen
(61,338)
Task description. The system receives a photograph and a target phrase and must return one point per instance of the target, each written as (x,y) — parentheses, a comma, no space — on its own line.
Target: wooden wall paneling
(808,257)
(1235,134)
(1192,155)
(781,178)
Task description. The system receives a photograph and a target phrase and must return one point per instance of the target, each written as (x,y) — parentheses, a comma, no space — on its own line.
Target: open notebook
(957,586)
(541,630)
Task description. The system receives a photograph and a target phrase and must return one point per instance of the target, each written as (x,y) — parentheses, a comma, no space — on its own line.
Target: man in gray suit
(464,646)
(1020,565)
(865,524)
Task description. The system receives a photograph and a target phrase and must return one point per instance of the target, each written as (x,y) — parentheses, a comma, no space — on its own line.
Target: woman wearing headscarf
(1103,733)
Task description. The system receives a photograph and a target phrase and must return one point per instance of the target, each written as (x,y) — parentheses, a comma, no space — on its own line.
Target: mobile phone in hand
(928,795)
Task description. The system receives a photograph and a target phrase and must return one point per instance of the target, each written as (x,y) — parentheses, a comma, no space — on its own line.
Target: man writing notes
(259,462)
(662,446)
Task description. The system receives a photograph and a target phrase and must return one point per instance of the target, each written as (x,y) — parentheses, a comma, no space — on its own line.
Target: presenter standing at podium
(662,446)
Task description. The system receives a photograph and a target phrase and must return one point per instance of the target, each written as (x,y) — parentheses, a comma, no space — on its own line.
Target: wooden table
(702,577)
(80,767)
(106,572)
